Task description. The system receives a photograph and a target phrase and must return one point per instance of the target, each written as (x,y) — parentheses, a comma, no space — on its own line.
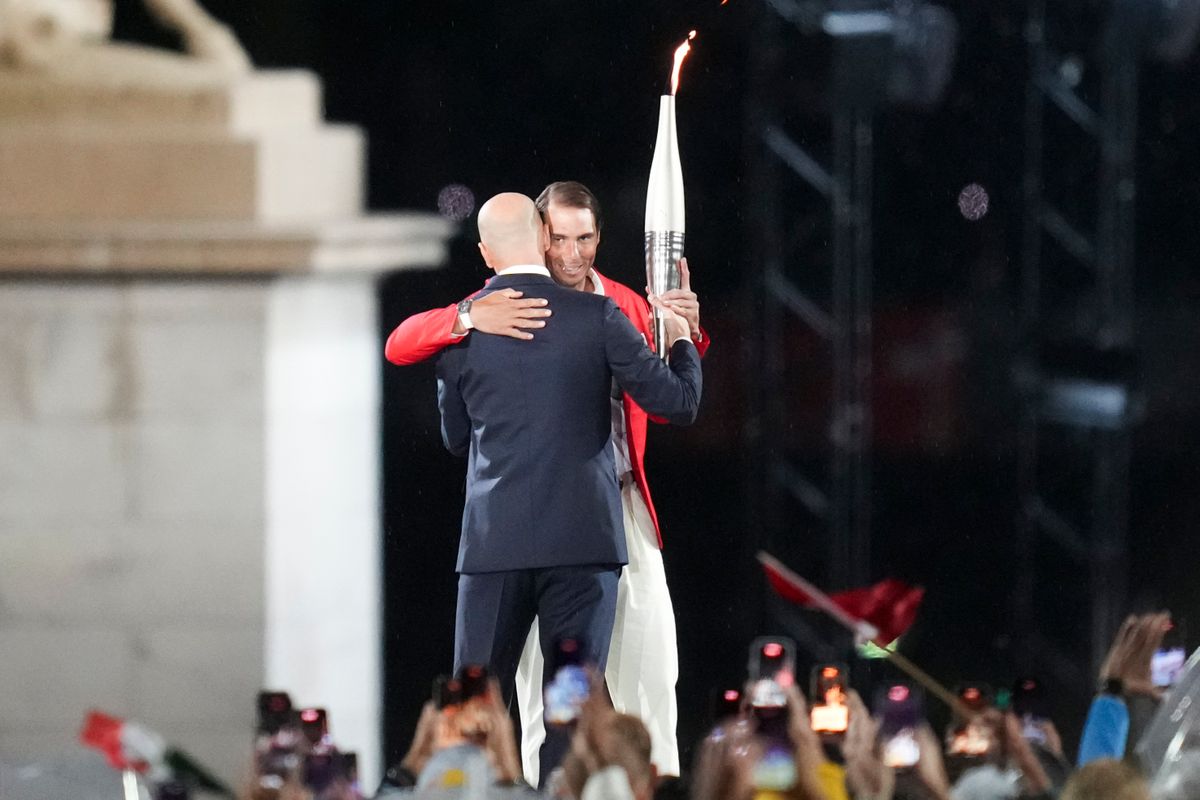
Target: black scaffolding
(813,228)
(1075,375)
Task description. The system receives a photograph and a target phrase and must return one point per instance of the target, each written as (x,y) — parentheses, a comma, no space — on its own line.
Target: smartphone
(898,707)
(320,770)
(772,669)
(726,704)
(447,692)
(314,724)
(1166,665)
(473,679)
(971,737)
(1028,703)
(976,696)
(274,711)
(567,691)
(829,714)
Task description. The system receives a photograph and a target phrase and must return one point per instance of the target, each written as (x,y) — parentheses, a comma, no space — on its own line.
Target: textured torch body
(663,251)
(664,216)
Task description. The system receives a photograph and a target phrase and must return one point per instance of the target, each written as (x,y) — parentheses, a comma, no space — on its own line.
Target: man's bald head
(511,232)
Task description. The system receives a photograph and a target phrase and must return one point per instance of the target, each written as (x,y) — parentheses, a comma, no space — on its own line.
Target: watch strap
(464,314)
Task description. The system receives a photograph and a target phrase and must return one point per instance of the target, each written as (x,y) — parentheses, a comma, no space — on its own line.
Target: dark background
(510,96)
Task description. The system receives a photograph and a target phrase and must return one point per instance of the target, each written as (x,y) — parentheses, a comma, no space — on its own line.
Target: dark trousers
(496,610)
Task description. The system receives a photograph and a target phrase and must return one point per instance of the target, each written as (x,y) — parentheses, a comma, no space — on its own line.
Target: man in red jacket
(643,661)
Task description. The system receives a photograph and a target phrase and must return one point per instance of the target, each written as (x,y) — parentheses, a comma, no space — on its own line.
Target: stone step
(86,173)
(261,101)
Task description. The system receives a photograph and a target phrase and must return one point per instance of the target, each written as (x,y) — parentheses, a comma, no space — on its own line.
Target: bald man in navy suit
(542,531)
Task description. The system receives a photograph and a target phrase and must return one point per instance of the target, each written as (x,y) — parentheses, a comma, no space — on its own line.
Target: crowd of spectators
(763,749)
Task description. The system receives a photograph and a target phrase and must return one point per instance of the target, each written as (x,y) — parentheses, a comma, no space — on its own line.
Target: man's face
(573,241)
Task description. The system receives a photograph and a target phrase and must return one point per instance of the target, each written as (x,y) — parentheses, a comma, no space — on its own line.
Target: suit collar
(524,269)
(519,278)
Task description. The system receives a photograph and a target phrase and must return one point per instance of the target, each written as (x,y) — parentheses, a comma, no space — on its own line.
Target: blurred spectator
(609,757)
(728,766)
(466,750)
(1106,779)
(1124,674)
(769,751)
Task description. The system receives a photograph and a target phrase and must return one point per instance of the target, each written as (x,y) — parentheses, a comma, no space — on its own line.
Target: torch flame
(680,54)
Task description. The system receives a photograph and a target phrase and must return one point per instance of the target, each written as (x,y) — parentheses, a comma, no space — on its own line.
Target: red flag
(890,605)
(103,733)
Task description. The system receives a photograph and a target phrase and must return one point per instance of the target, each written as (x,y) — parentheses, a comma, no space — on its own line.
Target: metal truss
(782,170)
(1078,404)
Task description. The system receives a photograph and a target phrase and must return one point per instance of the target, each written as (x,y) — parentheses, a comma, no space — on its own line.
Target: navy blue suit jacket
(535,419)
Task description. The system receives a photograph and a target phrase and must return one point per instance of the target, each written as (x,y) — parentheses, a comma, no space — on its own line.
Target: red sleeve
(422,336)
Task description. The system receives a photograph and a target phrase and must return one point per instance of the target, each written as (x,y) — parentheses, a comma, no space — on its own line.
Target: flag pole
(865,632)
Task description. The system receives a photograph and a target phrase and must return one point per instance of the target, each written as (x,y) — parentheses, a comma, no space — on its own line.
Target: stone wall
(136,495)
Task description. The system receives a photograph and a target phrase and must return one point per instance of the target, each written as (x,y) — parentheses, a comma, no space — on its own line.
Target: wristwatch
(464,313)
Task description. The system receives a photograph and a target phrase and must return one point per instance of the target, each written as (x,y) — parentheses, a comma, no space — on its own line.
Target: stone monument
(189,388)
(120,156)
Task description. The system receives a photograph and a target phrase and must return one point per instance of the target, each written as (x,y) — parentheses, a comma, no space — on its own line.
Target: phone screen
(1028,702)
(970,739)
(1166,665)
(1032,730)
(772,669)
(898,707)
(773,659)
(829,714)
(830,718)
(900,750)
(566,694)
(568,690)
(775,771)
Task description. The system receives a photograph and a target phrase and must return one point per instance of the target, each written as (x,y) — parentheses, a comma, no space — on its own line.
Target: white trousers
(643,659)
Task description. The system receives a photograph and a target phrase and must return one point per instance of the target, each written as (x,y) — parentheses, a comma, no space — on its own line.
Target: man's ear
(545,238)
(487,255)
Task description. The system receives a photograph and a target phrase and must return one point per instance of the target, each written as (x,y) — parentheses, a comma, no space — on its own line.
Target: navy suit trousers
(496,610)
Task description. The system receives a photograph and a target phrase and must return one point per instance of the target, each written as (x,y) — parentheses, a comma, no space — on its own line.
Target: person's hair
(1106,779)
(629,744)
(571,194)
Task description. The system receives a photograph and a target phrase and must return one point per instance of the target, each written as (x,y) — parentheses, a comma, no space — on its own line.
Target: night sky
(511,96)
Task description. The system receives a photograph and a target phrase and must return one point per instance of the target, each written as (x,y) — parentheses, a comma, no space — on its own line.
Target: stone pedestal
(250,149)
(189,492)
(189,402)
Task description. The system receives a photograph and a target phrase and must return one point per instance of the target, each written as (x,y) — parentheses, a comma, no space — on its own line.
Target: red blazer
(424,335)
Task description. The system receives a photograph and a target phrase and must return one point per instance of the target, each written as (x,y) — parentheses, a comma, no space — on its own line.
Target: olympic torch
(664,204)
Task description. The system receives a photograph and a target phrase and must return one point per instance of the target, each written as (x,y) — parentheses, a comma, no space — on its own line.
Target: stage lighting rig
(901,51)
(881,54)
(1166,29)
